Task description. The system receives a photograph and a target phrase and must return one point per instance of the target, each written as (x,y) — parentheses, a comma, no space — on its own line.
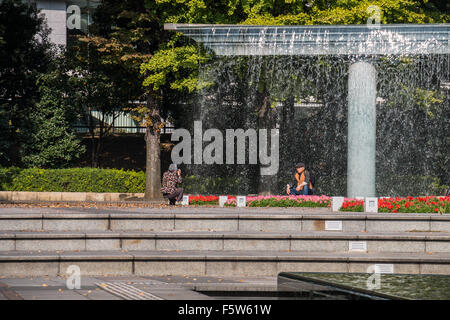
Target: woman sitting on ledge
(304,185)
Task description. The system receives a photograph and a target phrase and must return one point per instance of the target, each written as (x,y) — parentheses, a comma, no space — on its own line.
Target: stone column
(361,143)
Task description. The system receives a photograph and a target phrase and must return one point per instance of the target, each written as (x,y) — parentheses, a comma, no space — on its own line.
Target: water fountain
(362,44)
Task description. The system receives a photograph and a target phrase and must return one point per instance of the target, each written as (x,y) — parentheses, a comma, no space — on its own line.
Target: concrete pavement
(129,287)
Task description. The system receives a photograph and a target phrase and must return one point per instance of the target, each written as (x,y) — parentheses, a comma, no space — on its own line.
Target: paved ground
(129,288)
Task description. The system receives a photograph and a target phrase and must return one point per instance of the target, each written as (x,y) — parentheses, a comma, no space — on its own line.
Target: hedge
(101,180)
(72,180)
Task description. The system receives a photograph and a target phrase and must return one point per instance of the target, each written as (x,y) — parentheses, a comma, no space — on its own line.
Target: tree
(52,143)
(108,69)
(24,55)
(123,36)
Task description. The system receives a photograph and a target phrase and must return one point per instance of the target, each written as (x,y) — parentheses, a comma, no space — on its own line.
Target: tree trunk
(98,149)
(153,151)
(91,126)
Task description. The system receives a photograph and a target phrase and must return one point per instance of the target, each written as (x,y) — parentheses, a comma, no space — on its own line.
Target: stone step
(215,263)
(414,242)
(218,219)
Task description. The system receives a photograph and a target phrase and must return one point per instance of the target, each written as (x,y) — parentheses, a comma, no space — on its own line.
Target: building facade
(67,18)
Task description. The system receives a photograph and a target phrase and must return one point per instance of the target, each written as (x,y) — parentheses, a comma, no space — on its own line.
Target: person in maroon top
(170,179)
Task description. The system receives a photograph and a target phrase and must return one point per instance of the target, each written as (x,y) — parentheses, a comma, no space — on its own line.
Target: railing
(120,129)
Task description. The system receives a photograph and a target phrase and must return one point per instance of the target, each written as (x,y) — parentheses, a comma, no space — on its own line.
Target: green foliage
(25,53)
(6,177)
(429,101)
(73,180)
(166,67)
(341,12)
(102,180)
(51,143)
(179,63)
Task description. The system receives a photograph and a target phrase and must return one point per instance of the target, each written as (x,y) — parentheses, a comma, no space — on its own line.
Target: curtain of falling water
(308,103)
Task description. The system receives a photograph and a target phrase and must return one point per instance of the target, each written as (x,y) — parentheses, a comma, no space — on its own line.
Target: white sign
(385,268)
(185,201)
(357,246)
(371,205)
(336,203)
(333,225)
(222,200)
(241,201)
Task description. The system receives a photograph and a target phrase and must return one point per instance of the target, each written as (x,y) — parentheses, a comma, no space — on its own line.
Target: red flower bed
(428,204)
(202,200)
(353,205)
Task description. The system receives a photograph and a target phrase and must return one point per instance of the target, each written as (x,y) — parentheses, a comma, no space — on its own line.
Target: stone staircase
(218,241)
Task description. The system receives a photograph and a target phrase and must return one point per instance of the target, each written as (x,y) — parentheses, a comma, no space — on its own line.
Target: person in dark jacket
(302,179)
(169,189)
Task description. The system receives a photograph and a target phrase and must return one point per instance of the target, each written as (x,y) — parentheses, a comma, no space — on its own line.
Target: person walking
(169,189)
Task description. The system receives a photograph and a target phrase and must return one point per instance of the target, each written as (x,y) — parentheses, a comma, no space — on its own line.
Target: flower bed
(429,204)
(204,200)
(284,201)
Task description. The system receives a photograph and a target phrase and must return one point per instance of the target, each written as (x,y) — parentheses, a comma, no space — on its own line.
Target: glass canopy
(320,40)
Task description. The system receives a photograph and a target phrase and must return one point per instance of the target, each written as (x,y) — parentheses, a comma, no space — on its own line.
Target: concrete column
(361,141)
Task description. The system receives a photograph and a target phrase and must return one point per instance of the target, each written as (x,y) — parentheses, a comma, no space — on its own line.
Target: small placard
(241,201)
(336,203)
(333,225)
(185,201)
(222,200)
(371,204)
(357,246)
(385,268)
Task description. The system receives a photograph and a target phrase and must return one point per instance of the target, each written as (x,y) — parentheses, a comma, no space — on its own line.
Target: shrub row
(72,180)
(100,180)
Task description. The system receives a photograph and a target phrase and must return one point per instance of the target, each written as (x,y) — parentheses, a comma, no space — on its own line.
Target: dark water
(404,286)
